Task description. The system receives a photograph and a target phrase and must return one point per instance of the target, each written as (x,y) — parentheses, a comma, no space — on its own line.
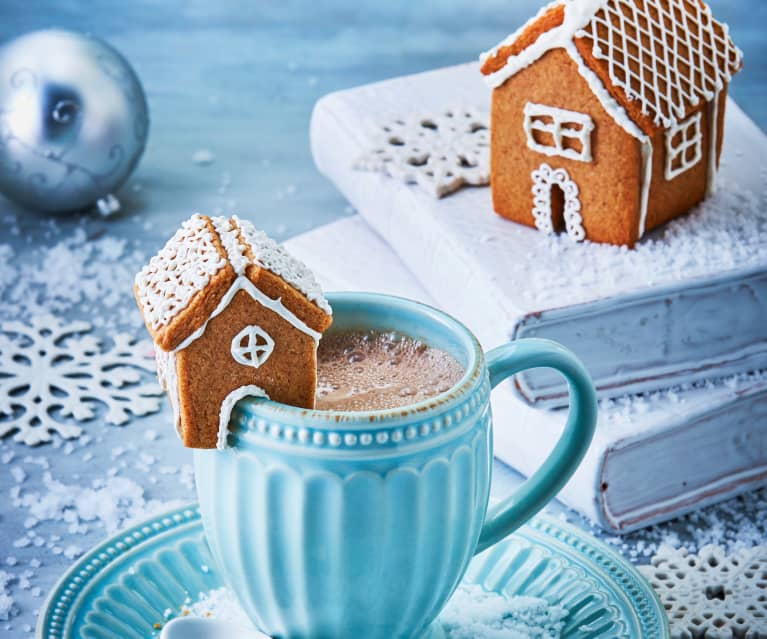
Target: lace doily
(441,152)
(54,375)
(711,595)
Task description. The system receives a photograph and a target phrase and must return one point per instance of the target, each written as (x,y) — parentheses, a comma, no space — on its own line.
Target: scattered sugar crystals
(727,231)
(51,520)
(78,272)
(736,524)
(472,613)
(7,604)
(203,157)
(621,412)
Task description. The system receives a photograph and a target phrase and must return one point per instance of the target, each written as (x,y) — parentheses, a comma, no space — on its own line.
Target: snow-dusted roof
(183,268)
(191,258)
(658,58)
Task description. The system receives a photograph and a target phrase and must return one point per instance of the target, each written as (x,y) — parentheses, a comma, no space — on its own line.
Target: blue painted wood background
(239,78)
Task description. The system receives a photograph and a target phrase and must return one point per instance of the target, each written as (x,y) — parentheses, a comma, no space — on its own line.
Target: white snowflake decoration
(51,373)
(441,153)
(711,595)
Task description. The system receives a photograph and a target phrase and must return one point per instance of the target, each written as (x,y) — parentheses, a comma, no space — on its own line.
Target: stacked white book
(687,305)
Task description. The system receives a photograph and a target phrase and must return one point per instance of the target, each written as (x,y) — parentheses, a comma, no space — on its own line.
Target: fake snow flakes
(473,612)
(441,152)
(711,595)
(53,374)
(7,604)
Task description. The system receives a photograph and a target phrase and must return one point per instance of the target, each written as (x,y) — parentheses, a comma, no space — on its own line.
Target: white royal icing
(168,378)
(276,259)
(564,125)
(646,178)
(181,269)
(610,104)
(682,137)
(252,346)
(713,137)
(242,283)
(185,266)
(544,178)
(577,15)
(228,405)
(663,37)
(229,236)
(665,46)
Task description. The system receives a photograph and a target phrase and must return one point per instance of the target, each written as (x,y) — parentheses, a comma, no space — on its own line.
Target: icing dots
(544,179)
(276,259)
(189,260)
(182,268)
(229,236)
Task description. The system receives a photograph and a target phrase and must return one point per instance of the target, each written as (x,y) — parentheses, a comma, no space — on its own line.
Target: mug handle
(548,480)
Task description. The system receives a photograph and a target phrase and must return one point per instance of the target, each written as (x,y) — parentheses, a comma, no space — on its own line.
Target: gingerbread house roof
(209,253)
(649,61)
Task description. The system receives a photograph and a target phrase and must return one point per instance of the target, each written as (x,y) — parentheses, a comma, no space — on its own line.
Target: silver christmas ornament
(73,120)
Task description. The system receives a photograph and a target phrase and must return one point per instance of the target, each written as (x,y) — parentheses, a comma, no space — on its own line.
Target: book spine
(701,459)
(642,341)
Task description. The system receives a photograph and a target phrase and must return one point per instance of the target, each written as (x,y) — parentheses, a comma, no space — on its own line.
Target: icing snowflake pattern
(52,375)
(711,595)
(441,153)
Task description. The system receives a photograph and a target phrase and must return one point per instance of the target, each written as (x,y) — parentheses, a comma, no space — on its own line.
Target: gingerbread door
(556,202)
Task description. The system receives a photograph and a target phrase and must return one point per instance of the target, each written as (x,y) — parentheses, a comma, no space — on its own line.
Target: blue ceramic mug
(361,524)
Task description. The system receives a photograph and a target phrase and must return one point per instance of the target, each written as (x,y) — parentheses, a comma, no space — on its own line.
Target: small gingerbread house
(232,314)
(608,115)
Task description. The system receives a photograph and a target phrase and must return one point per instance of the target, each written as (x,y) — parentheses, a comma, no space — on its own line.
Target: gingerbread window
(684,146)
(558,132)
(252,346)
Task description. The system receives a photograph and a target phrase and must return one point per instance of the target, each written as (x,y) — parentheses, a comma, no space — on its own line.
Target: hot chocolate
(371,370)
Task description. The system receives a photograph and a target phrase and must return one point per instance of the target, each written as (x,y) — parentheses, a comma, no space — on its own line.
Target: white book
(687,304)
(653,457)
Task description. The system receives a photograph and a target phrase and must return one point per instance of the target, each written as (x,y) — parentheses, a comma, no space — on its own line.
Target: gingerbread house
(232,314)
(608,115)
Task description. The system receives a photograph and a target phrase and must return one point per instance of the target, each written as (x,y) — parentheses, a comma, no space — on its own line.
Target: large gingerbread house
(232,314)
(608,115)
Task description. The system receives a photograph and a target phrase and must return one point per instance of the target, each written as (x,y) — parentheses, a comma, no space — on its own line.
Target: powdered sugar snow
(472,613)
(76,270)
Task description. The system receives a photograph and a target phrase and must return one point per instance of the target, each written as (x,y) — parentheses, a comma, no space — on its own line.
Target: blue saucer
(122,588)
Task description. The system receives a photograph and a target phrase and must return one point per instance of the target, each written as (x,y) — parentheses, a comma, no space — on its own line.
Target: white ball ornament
(73,121)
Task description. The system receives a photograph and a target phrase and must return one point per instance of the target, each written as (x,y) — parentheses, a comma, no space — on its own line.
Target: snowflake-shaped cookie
(441,152)
(52,374)
(711,595)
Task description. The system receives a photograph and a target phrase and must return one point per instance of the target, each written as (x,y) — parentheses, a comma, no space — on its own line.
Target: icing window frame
(253,353)
(567,130)
(690,132)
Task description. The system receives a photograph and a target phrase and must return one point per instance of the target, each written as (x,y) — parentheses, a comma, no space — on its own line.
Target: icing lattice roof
(192,257)
(658,58)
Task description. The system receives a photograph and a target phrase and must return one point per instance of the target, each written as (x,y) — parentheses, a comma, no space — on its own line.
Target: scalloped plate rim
(189,516)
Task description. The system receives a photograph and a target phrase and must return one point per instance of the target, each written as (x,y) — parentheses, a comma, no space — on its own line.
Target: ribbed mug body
(359,530)
(353,525)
